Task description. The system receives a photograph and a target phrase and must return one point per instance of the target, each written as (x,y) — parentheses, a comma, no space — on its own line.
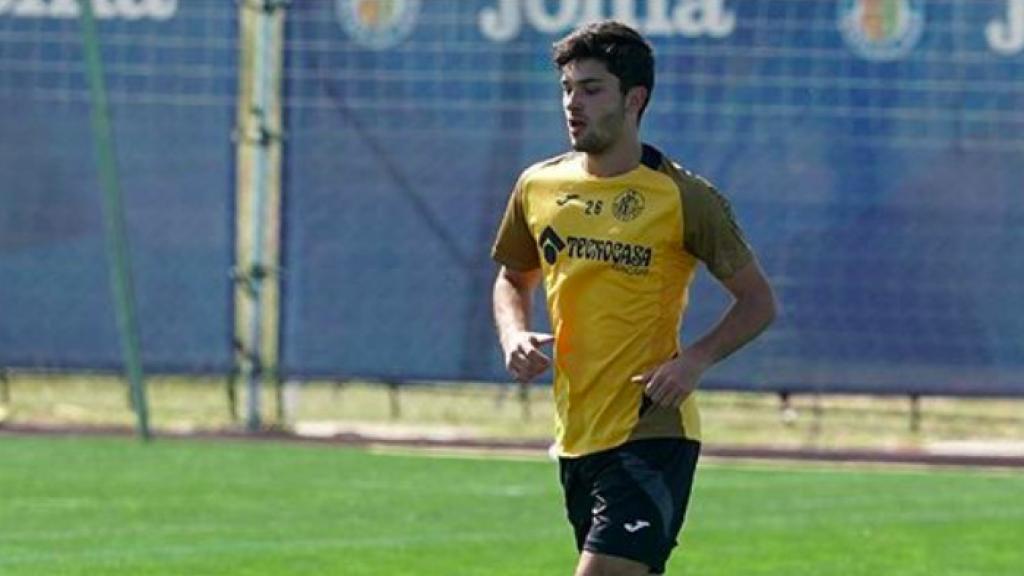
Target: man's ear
(636,97)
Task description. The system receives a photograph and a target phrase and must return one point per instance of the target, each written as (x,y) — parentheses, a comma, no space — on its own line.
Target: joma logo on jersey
(625,257)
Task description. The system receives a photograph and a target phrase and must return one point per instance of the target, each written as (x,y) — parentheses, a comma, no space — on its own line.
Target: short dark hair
(622,49)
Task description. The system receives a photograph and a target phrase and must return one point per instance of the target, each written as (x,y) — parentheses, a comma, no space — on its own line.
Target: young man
(617,230)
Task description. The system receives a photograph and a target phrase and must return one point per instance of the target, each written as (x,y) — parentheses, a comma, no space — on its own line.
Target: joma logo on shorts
(635,526)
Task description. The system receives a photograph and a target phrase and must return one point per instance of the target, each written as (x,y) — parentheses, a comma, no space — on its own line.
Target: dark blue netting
(879,181)
(172,85)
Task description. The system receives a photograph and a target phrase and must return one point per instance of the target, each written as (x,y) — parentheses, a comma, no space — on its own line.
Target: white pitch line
(282,544)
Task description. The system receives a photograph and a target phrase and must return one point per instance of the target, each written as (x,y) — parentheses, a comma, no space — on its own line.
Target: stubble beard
(590,144)
(600,137)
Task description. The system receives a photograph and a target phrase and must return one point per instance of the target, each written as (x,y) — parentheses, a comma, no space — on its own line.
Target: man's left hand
(669,384)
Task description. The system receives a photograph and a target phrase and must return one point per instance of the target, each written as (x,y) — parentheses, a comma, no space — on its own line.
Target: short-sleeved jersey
(617,256)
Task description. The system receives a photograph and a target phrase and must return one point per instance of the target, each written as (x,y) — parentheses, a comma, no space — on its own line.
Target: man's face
(595,109)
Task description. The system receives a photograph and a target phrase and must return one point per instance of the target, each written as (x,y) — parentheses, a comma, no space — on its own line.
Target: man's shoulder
(688,182)
(697,194)
(548,166)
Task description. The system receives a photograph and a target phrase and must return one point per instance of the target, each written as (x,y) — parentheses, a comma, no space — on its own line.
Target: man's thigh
(592,564)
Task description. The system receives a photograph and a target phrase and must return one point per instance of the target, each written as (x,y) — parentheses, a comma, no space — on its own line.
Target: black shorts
(630,501)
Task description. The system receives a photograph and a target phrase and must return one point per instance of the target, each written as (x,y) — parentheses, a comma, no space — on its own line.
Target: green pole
(117,245)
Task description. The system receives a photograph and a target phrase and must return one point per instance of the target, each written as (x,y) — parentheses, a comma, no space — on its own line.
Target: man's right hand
(524,359)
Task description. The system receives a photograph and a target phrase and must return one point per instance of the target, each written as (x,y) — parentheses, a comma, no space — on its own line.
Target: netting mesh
(171,81)
(874,163)
(871,148)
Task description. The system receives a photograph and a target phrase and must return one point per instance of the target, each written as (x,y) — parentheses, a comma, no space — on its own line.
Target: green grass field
(113,506)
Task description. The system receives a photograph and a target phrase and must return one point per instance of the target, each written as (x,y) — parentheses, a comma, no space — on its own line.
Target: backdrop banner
(171,74)
(871,149)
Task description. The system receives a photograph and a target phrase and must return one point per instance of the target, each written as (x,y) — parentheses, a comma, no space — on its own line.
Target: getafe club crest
(628,205)
(378,24)
(881,29)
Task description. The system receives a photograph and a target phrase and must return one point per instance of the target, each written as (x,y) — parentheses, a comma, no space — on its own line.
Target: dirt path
(972,457)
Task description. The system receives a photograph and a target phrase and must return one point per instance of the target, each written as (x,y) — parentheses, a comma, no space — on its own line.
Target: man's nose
(572,102)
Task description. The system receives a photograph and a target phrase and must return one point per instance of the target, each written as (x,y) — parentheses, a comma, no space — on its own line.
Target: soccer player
(617,230)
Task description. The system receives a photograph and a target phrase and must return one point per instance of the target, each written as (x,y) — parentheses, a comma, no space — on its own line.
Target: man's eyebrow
(590,80)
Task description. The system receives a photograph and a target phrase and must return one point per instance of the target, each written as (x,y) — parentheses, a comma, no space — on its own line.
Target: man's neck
(624,156)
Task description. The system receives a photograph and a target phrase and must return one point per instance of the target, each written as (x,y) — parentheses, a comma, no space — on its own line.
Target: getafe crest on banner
(881,29)
(378,24)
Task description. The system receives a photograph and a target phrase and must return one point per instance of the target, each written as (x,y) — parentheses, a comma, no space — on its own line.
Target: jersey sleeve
(710,231)
(514,246)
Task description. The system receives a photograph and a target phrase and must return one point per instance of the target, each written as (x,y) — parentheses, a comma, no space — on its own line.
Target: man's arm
(750,313)
(753,310)
(513,297)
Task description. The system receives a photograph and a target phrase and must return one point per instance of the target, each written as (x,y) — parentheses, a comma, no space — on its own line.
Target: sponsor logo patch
(633,259)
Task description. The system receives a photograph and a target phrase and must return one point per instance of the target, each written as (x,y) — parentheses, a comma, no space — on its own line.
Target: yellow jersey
(617,256)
